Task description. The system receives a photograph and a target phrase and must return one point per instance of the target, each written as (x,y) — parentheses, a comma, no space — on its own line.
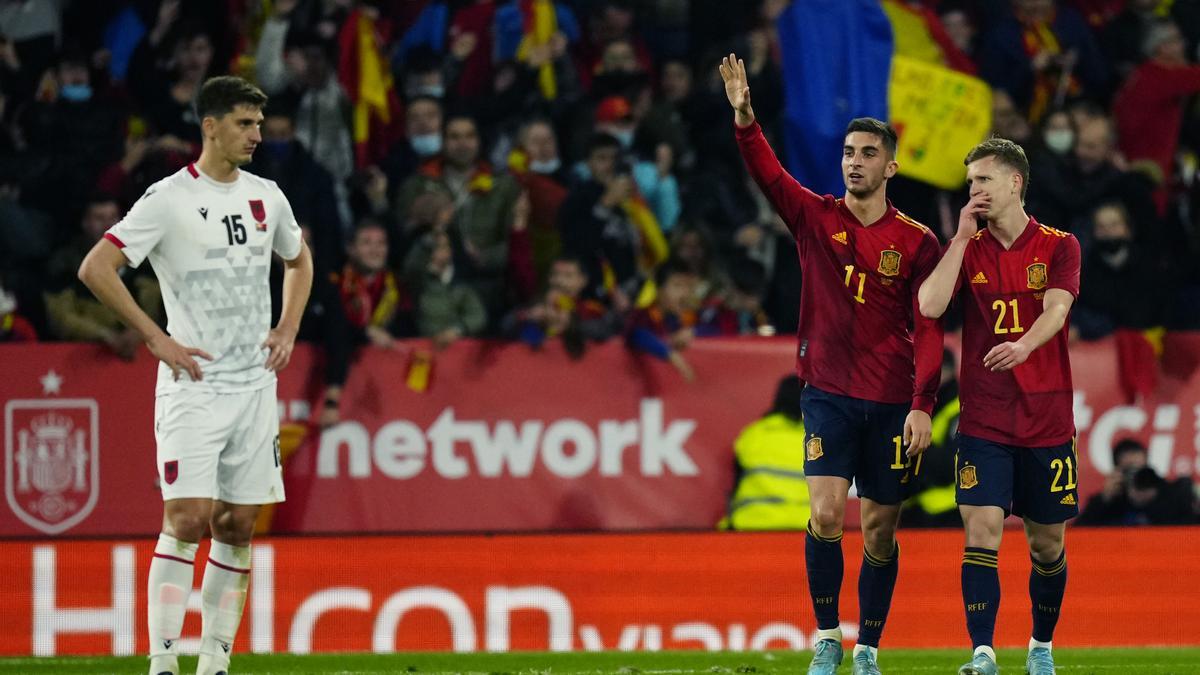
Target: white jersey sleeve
(287,239)
(142,228)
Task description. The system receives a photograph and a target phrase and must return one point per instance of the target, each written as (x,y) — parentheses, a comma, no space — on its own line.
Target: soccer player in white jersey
(209,231)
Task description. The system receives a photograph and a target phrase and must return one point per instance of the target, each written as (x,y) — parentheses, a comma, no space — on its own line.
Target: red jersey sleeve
(1064,266)
(927,333)
(789,198)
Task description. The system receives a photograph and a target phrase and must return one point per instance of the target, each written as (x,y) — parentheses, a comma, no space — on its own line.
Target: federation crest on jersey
(967,478)
(259,212)
(812,449)
(1035,276)
(889,262)
(52,461)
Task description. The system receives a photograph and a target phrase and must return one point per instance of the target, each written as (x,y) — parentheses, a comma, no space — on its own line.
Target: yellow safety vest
(771,493)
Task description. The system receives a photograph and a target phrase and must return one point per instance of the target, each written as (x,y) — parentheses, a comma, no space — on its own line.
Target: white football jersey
(210,245)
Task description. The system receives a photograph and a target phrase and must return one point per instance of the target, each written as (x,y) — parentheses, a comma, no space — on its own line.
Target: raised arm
(937,291)
(785,193)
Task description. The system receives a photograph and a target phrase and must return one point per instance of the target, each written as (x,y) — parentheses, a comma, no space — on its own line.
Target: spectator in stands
(1041,54)
(597,228)
(769,490)
(1134,494)
(13,326)
(165,74)
(1007,120)
(666,329)
(1123,37)
(447,309)
(1064,194)
(537,166)
(375,308)
(654,179)
(1149,107)
(693,246)
(422,141)
(306,73)
(76,132)
(563,312)
(74,313)
(310,189)
(1122,282)
(960,26)
(484,207)
(738,310)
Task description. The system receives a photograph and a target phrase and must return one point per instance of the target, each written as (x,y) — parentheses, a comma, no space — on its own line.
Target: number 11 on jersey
(862,282)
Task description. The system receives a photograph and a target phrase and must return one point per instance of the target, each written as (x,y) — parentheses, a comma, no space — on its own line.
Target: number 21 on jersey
(1007,310)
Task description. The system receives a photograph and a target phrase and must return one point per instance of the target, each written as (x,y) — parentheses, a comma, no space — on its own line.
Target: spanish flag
(539,26)
(364,74)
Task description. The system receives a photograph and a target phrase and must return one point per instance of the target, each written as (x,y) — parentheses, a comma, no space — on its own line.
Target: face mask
(431,90)
(277,150)
(545,165)
(1112,245)
(426,144)
(1059,140)
(76,93)
(625,137)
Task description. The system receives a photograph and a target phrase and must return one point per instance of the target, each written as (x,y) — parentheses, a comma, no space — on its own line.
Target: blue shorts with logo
(860,441)
(1040,484)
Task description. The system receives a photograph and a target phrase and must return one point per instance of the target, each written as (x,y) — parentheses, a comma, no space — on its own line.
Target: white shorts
(219,446)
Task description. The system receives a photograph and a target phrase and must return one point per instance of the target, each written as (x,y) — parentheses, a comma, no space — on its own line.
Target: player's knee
(233,528)
(1045,547)
(186,525)
(827,518)
(879,539)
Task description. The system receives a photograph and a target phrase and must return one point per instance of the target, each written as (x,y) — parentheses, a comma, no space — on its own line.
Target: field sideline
(1156,661)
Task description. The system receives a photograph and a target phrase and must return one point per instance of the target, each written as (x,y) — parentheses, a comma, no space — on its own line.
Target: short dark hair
(600,141)
(885,132)
(220,95)
(1125,447)
(1006,152)
(670,268)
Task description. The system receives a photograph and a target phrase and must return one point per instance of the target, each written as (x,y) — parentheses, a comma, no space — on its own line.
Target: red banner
(503,439)
(589,592)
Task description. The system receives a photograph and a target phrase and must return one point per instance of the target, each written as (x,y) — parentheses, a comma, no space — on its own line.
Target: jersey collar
(888,213)
(1030,231)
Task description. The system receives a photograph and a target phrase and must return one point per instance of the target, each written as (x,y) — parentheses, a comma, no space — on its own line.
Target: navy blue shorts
(1035,483)
(861,441)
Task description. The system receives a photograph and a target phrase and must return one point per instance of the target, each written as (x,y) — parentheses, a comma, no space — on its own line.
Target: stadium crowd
(539,170)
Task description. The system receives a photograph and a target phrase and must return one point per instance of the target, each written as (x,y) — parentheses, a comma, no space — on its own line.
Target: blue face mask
(277,150)
(625,137)
(76,93)
(426,144)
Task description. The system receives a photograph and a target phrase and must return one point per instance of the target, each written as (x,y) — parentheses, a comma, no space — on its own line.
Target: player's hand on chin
(918,432)
(280,342)
(177,357)
(1005,356)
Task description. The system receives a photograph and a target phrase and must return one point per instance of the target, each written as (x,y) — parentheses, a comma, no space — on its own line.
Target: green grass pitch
(1148,661)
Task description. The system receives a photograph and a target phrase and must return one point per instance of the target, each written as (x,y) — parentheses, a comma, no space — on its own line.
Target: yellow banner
(940,115)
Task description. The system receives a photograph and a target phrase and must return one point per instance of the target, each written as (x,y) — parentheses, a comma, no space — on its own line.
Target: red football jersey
(859,317)
(1001,293)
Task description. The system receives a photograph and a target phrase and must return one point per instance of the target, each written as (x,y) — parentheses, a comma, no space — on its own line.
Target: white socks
(1034,644)
(984,649)
(223,593)
(172,571)
(859,648)
(834,634)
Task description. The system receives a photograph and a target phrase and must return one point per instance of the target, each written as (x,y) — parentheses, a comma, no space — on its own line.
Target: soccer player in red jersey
(1016,280)
(860,334)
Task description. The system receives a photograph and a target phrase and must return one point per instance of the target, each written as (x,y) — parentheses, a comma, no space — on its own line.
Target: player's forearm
(102,280)
(928,337)
(934,295)
(744,118)
(1048,325)
(297,283)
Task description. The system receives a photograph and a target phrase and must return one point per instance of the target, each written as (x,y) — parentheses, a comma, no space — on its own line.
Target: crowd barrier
(572,592)
(489,437)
